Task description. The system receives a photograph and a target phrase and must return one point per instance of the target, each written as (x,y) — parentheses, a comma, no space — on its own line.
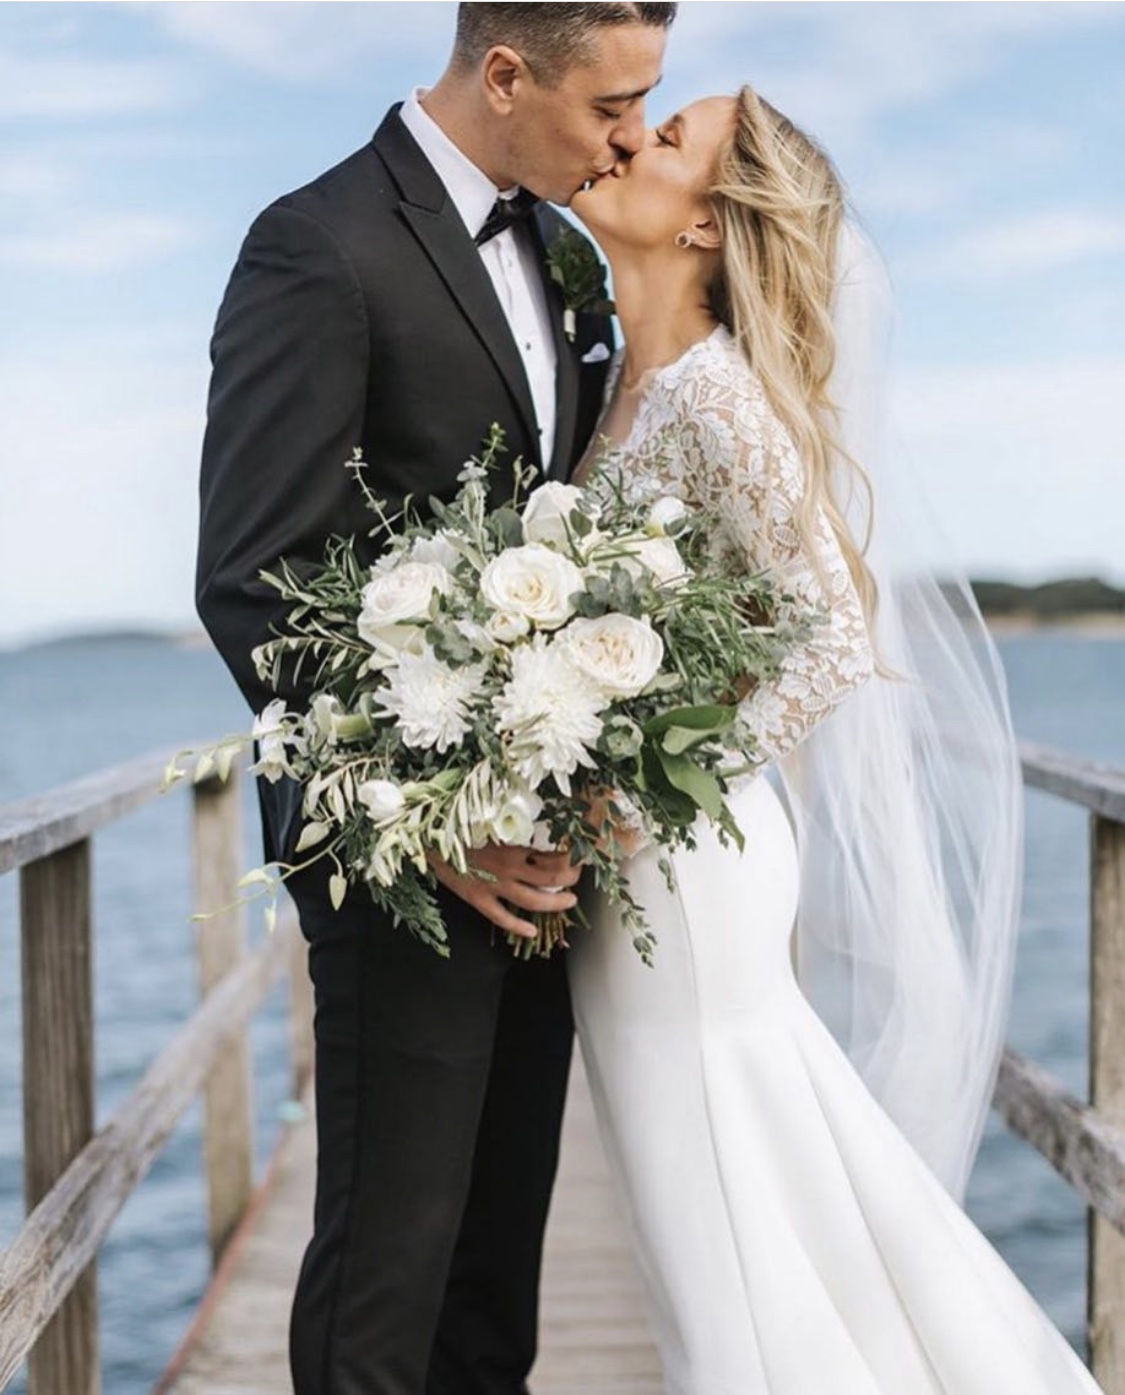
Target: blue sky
(981,142)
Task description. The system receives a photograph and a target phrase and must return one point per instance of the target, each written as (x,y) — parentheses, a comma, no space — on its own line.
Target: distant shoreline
(1087,625)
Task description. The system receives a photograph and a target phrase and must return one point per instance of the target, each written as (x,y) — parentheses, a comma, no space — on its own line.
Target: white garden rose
(548,509)
(514,822)
(666,516)
(534,582)
(392,598)
(382,799)
(661,558)
(506,628)
(617,653)
(438,550)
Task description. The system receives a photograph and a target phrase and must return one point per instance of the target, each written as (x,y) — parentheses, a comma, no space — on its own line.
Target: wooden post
(301,1008)
(58,1088)
(1106,1287)
(221,943)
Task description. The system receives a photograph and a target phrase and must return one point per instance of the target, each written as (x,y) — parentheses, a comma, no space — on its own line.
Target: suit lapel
(429,212)
(566,373)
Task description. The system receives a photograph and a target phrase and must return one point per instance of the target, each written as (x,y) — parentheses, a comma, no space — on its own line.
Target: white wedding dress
(790,1240)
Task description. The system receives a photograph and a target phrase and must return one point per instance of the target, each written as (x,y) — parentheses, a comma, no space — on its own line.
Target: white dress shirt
(509,260)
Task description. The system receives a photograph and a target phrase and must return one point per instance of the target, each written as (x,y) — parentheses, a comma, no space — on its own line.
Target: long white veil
(908,803)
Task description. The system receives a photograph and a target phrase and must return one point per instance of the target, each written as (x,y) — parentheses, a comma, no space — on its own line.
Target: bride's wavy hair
(780,205)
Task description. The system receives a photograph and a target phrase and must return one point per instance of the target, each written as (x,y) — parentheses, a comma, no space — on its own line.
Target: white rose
(382,799)
(438,550)
(404,594)
(545,518)
(269,732)
(534,582)
(514,822)
(666,516)
(661,558)
(506,628)
(619,654)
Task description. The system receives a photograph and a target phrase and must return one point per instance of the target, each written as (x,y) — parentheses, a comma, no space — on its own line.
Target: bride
(794,1205)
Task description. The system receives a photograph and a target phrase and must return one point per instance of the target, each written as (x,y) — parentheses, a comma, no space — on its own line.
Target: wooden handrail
(34,828)
(1072,1136)
(1099,788)
(62,1234)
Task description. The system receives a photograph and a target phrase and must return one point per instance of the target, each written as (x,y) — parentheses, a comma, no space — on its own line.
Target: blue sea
(70,708)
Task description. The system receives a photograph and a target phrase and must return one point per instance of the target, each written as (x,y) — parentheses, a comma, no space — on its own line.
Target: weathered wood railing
(77,1181)
(1085,1142)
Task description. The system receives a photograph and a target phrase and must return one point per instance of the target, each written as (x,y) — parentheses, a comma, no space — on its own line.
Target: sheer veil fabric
(907,805)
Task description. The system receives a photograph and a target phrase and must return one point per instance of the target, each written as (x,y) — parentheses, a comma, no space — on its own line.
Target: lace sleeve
(739,461)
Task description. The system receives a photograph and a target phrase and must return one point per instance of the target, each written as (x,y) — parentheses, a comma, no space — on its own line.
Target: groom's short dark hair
(550,38)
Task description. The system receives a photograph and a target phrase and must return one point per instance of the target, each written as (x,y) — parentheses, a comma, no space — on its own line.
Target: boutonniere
(579,273)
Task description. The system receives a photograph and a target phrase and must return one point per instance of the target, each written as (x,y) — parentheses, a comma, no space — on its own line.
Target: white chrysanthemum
(429,700)
(549,713)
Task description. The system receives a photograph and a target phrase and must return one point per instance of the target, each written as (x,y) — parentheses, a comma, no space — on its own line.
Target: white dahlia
(549,713)
(430,700)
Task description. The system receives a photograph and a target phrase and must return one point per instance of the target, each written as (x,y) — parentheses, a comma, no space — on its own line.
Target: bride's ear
(705,233)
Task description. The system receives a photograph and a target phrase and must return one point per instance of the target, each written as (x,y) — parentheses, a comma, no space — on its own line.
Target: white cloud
(34,177)
(308,42)
(840,68)
(69,87)
(1022,246)
(1024,463)
(96,242)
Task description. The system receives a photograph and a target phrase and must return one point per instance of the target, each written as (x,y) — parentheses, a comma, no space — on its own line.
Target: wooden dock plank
(594,1334)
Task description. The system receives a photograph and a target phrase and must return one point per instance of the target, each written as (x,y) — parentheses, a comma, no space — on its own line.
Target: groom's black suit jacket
(359,313)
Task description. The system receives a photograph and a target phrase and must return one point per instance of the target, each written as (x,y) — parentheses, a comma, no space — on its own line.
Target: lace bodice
(706,433)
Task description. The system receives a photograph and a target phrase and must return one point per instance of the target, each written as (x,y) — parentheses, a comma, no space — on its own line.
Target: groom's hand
(531,880)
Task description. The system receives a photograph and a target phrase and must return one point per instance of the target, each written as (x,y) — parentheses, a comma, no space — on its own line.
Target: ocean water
(67,709)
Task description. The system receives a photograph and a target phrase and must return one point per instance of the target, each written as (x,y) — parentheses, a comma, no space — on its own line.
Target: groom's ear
(501,70)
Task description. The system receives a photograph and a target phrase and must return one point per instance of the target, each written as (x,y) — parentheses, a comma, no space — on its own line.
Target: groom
(400,303)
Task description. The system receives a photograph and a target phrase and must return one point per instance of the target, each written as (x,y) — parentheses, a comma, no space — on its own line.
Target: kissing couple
(793,1192)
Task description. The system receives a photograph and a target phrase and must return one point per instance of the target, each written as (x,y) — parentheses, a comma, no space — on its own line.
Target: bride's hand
(626,839)
(529,879)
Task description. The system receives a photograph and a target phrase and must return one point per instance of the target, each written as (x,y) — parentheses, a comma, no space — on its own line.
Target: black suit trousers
(440,1086)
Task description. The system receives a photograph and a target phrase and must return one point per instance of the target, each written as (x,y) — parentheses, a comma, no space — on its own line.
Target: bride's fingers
(535,898)
(527,865)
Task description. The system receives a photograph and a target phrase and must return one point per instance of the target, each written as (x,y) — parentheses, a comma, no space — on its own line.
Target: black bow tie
(505,213)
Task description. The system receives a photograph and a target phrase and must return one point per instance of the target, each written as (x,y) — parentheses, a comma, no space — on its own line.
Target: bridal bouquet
(500,674)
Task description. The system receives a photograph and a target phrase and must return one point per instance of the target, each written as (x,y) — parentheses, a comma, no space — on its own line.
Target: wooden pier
(594,1335)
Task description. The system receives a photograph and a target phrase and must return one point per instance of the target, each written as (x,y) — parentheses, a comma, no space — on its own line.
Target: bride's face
(662,190)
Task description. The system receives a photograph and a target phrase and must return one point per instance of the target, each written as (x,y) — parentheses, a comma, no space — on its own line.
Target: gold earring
(684,240)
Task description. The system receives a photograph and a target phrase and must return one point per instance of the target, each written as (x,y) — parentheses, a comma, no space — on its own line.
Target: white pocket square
(598,354)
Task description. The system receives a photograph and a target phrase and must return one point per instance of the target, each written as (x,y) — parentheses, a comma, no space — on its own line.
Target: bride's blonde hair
(780,204)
